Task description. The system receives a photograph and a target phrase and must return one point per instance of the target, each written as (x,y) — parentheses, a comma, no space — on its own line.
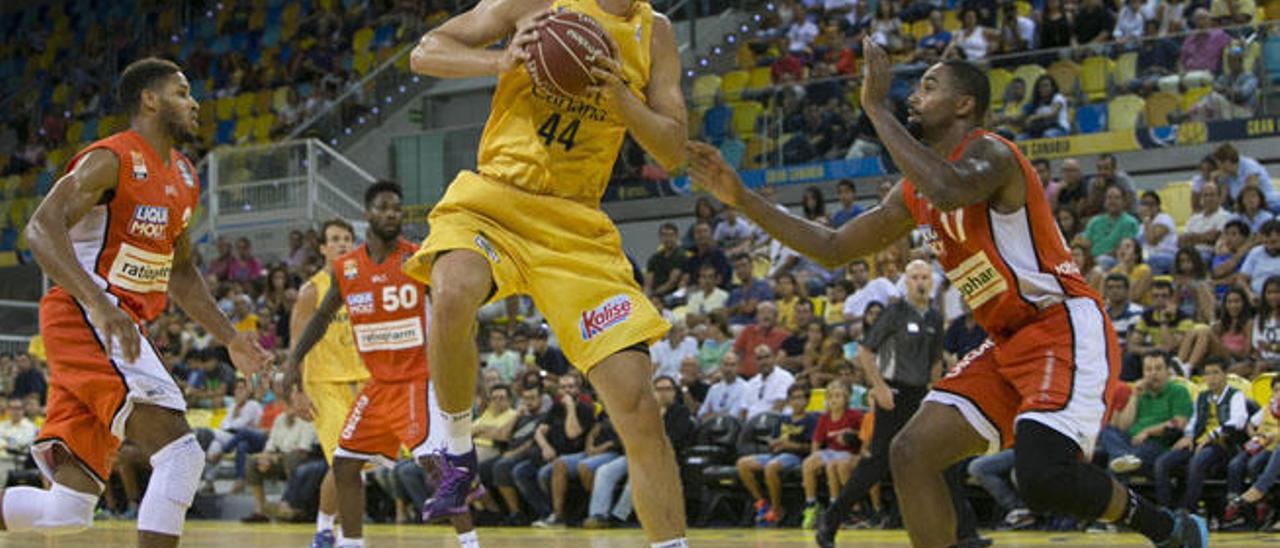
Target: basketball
(558,60)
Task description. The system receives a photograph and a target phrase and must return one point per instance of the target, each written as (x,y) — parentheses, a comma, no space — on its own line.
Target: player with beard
(112,236)
(1040,382)
(388,313)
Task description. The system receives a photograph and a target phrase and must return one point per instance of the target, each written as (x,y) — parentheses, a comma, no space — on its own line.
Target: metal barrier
(14,344)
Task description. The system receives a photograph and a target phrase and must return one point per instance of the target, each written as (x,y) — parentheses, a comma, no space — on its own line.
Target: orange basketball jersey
(1005,266)
(388,312)
(126,244)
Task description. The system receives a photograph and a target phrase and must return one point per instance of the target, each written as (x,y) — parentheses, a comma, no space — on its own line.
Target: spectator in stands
(1229,253)
(1045,115)
(1161,326)
(993,473)
(243,266)
(209,379)
(886,28)
(1157,233)
(1191,286)
(1203,227)
(715,342)
(1130,21)
(1109,174)
(803,31)
(1234,95)
(930,48)
(1157,58)
(237,432)
(766,391)
(1207,170)
(1128,255)
(1227,338)
(1150,421)
(1008,119)
(1251,207)
(1210,438)
(28,378)
(961,336)
(668,265)
(705,251)
(220,266)
(1201,55)
(1238,171)
(288,446)
(707,296)
(1266,328)
(1017,33)
(1122,311)
(1104,232)
(725,396)
(745,297)
(493,428)
(500,358)
(735,233)
(787,445)
(786,297)
(546,356)
(1073,193)
(832,451)
(562,433)
(298,253)
(1232,12)
(846,193)
(1057,27)
(1172,16)
(882,289)
(520,447)
(602,447)
(717,121)
(972,41)
(1080,255)
(667,353)
(1260,460)
(17,433)
(1263,261)
(693,390)
(764,332)
(1094,23)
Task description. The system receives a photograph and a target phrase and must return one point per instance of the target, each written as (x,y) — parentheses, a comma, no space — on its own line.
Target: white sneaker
(1125,464)
(549,522)
(1019,518)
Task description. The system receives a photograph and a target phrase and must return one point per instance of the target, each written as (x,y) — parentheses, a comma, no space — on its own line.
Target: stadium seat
(1090,118)
(732,84)
(1175,199)
(1126,68)
(262,127)
(1123,112)
(244,105)
(760,79)
(1093,78)
(362,63)
(243,129)
(998,79)
(1261,389)
(362,39)
(1193,96)
(705,88)
(920,29)
(1023,8)
(745,115)
(73,131)
(1159,105)
(280,98)
(950,20)
(225,108)
(226,133)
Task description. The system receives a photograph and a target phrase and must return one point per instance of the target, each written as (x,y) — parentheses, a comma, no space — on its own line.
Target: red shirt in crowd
(830,433)
(749,339)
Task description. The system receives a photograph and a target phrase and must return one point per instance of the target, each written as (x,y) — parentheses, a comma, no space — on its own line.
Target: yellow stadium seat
(745,115)
(732,84)
(1193,96)
(61,93)
(950,20)
(1024,8)
(817,400)
(1093,77)
(694,123)
(262,127)
(244,105)
(921,29)
(1159,105)
(760,79)
(262,101)
(1261,389)
(1239,383)
(1065,73)
(1126,67)
(74,130)
(362,39)
(1029,74)
(362,63)
(705,88)
(1193,388)
(280,99)
(225,108)
(244,128)
(1175,199)
(743,57)
(1123,111)
(999,79)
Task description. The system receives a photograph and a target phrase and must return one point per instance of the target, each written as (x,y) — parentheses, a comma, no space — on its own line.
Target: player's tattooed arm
(459,47)
(311,334)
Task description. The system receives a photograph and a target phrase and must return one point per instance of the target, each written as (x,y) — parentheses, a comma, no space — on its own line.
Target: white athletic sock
(458,430)
(349,542)
(324,522)
(673,543)
(468,540)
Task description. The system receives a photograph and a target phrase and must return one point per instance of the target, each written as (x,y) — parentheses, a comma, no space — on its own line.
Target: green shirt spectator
(1105,230)
(1157,407)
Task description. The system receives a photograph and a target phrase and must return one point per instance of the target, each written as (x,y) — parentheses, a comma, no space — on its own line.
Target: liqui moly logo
(614,310)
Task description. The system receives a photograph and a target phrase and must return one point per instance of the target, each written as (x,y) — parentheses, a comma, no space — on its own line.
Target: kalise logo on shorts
(613,311)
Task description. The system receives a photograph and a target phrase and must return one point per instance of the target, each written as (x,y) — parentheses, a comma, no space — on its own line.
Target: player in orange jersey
(388,313)
(112,235)
(1040,382)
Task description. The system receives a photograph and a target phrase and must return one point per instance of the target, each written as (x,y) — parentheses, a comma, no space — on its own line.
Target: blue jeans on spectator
(1264,467)
(606,480)
(525,475)
(1198,466)
(245,441)
(991,471)
(413,481)
(1115,444)
(1161,262)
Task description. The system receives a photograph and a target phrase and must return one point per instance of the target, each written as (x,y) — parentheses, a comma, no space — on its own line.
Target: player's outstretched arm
(188,290)
(48,234)
(659,125)
(458,48)
(983,170)
(869,232)
(312,333)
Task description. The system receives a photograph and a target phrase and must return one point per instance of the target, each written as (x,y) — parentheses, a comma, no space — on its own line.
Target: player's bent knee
(57,511)
(176,471)
(1050,478)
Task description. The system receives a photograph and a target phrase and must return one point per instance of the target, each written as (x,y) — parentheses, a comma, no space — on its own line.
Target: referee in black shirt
(900,356)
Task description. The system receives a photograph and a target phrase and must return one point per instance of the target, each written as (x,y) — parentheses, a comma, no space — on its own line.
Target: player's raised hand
(116,328)
(875,74)
(709,170)
(247,355)
(517,52)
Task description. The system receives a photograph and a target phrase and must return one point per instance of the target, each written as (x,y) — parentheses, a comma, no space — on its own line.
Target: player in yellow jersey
(528,221)
(333,373)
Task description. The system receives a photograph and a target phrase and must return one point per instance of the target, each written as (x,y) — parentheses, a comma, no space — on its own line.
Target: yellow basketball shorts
(564,254)
(331,402)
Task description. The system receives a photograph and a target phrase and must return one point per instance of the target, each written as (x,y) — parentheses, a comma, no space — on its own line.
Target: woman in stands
(1252,207)
(1046,112)
(1083,259)
(1128,255)
(1266,328)
(973,41)
(1191,285)
(1229,338)
(815,206)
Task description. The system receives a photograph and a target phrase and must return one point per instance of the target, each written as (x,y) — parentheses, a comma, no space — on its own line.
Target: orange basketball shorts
(384,417)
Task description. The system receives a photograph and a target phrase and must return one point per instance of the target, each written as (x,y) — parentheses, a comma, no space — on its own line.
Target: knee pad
(1051,477)
(175,476)
(59,510)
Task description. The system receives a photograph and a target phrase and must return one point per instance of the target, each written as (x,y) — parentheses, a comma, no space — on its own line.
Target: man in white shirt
(801,34)
(735,234)
(16,434)
(883,290)
(767,391)
(288,445)
(667,353)
(725,396)
(1239,170)
(1202,228)
(708,296)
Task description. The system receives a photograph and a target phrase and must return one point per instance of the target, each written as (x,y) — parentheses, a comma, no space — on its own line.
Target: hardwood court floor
(210,534)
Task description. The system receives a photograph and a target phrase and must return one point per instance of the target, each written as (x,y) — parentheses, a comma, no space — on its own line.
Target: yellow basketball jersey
(564,146)
(334,358)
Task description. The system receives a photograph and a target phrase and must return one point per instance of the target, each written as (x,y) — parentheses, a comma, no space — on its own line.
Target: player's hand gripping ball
(560,60)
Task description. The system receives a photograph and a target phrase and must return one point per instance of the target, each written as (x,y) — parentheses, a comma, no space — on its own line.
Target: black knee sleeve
(1051,477)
